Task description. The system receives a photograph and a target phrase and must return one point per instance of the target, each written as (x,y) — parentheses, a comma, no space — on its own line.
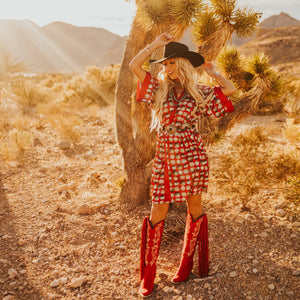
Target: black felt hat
(175,49)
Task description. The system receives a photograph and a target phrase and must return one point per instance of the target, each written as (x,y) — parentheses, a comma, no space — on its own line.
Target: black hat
(175,49)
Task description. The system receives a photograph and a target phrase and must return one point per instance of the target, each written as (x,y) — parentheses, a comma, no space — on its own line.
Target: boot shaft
(150,243)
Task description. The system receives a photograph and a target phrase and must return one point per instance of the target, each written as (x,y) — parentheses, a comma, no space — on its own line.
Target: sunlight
(114,15)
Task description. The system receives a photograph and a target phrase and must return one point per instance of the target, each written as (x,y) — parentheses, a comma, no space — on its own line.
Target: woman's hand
(209,69)
(226,86)
(163,39)
(136,64)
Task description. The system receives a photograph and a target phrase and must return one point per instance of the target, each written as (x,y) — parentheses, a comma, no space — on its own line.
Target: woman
(180,170)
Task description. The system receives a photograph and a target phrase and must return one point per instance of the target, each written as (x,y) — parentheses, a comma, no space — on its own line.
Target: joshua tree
(213,24)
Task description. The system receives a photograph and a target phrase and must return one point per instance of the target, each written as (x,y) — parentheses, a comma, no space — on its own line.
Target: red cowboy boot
(194,232)
(151,238)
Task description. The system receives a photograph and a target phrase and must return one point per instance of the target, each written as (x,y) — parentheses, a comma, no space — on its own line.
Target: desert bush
(27,95)
(291,131)
(248,166)
(18,140)
(67,126)
(94,86)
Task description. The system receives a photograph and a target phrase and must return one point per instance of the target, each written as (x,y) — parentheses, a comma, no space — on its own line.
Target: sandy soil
(62,235)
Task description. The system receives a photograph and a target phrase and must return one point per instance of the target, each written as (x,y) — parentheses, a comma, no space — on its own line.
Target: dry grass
(27,94)
(250,164)
(94,86)
(67,126)
(291,131)
(18,140)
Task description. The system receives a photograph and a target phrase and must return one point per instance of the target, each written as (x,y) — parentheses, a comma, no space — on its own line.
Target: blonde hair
(187,76)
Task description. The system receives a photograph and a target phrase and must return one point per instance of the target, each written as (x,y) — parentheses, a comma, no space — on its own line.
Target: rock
(233,274)
(51,296)
(206,285)
(62,188)
(280,212)
(63,280)
(84,209)
(189,297)
(77,282)
(255,262)
(296,224)
(290,293)
(54,283)
(271,287)
(279,205)
(64,145)
(9,297)
(296,272)
(177,292)
(21,242)
(263,234)
(254,270)
(12,273)
(249,217)
(219,275)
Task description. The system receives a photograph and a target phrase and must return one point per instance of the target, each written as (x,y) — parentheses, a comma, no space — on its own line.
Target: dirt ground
(62,235)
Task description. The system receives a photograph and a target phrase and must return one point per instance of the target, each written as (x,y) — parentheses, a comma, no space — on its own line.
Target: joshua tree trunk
(137,144)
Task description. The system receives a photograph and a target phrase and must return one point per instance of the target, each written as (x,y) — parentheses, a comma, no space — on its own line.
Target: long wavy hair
(188,78)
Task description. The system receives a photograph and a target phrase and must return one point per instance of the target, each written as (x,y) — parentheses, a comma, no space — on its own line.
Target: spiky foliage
(254,77)
(173,16)
(223,8)
(213,28)
(258,64)
(184,12)
(205,25)
(245,22)
(152,14)
(9,66)
(27,94)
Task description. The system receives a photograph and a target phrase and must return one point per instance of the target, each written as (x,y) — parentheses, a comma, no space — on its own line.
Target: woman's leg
(194,206)
(158,213)
(150,243)
(195,232)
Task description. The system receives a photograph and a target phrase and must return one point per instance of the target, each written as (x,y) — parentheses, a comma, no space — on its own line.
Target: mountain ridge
(62,47)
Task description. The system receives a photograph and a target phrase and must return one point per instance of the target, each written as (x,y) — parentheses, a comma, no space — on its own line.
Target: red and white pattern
(181,166)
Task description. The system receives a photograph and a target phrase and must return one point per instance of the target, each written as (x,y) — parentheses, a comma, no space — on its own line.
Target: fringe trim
(203,264)
(143,247)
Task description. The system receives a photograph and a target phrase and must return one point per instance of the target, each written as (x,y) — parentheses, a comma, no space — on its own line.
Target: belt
(173,128)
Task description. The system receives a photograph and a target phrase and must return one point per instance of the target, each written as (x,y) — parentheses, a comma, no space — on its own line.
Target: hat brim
(195,58)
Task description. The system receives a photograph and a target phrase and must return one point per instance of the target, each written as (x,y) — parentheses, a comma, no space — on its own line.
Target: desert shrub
(94,86)
(248,166)
(18,140)
(291,131)
(79,91)
(27,94)
(67,126)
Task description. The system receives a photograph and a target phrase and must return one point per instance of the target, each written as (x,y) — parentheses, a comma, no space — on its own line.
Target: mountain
(61,47)
(57,47)
(280,44)
(275,21)
(281,20)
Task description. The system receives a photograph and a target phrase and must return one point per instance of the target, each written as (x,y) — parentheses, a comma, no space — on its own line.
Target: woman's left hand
(209,69)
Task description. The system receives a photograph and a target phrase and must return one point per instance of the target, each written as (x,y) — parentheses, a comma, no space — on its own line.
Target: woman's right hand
(164,39)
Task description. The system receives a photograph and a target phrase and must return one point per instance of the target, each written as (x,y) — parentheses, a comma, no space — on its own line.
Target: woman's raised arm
(226,86)
(137,62)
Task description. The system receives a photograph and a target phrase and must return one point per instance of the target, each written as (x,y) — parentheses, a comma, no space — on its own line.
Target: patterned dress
(181,166)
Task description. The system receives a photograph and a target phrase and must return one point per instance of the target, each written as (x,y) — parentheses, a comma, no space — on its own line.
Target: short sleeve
(145,91)
(217,104)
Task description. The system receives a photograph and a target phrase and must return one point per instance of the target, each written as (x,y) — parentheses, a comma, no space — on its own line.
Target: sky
(113,15)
